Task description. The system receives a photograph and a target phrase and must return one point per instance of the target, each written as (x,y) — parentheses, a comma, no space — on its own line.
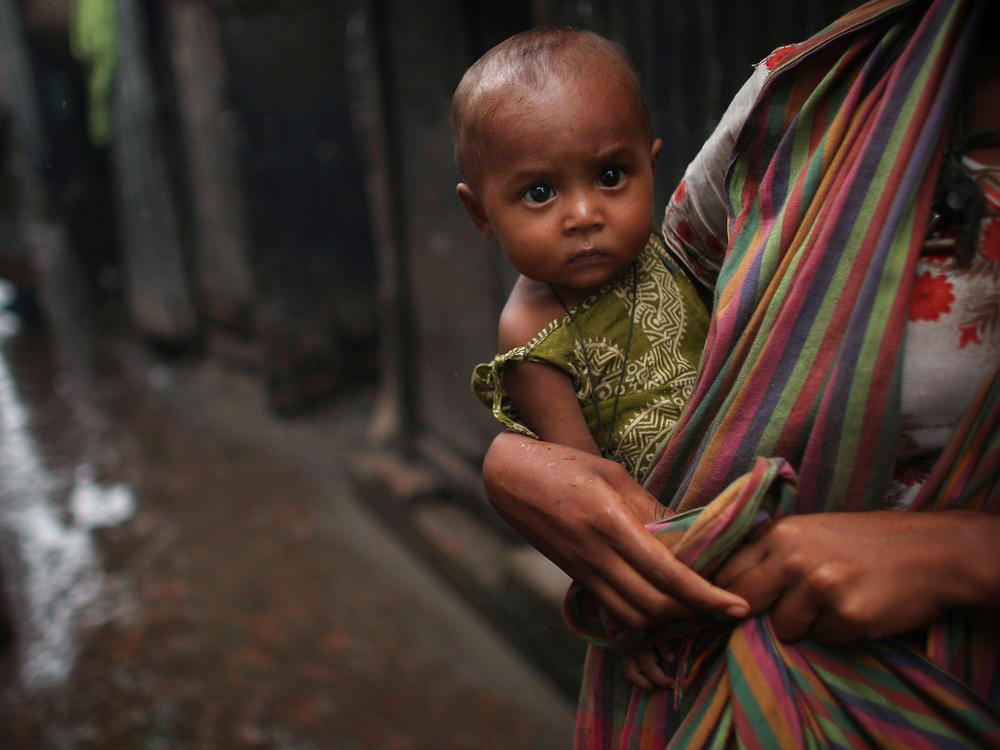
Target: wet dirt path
(210,582)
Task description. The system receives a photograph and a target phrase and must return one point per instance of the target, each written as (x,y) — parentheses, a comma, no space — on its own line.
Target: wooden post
(21,190)
(393,418)
(157,286)
(220,232)
(15,59)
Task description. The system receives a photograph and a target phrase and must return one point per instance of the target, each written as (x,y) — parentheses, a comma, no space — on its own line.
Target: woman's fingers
(650,667)
(743,562)
(756,577)
(794,614)
(846,576)
(613,598)
(795,601)
(632,573)
(640,595)
(630,666)
(651,560)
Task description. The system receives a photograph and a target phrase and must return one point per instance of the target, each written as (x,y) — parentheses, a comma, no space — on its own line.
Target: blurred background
(239,307)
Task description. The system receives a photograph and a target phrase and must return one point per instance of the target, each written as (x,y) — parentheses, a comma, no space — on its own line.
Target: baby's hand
(647,667)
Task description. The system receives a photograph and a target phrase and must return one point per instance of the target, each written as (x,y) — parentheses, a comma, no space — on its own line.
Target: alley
(186,571)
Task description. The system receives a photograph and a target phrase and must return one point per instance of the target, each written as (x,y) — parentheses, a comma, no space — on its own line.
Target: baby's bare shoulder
(530,307)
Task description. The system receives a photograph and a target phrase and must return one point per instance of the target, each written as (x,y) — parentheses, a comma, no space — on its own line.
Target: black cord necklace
(606,448)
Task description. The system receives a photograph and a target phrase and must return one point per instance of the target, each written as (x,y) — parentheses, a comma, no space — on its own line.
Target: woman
(837,149)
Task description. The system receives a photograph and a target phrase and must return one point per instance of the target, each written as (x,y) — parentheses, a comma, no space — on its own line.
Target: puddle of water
(98,507)
(51,565)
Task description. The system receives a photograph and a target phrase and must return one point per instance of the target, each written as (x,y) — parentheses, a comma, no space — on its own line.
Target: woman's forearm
(971,558)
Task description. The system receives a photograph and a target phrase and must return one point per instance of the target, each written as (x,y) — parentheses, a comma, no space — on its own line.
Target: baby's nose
(583,212)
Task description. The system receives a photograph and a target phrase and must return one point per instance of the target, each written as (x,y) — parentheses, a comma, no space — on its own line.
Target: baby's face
(566,184)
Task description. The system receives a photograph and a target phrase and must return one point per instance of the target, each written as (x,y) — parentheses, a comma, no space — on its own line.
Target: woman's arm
(587,515)
(848,576)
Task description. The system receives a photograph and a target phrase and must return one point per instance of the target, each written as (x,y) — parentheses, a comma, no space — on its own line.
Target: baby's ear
(475,209)
(654,152)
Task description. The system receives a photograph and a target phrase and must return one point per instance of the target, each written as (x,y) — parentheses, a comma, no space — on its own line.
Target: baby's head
(553,142)
(528,64)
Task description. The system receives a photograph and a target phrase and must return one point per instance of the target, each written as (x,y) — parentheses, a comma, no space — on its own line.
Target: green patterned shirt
(671,324)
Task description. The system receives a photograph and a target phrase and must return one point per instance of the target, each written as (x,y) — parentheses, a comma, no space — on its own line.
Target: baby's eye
(611,177)
(539,193)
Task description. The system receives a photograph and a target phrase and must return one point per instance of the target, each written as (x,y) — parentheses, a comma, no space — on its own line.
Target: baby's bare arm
(546,402)
(543,395)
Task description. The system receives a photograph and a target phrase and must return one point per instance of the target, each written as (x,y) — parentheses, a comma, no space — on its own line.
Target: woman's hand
(841,577)
(651,667)
(587,515)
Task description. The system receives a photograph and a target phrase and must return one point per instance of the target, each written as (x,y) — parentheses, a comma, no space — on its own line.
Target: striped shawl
(796,407)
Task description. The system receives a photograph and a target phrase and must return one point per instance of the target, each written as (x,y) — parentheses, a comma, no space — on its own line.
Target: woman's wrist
(970,573)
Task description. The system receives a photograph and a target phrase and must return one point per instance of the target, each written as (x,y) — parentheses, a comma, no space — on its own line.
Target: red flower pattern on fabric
(989,240)
(680,192)
(939,259)
(685,231)
(715,245)
(968,335)
(909,475)
(932,296)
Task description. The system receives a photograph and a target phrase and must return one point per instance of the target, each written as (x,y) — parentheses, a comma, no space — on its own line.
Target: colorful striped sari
(829,188)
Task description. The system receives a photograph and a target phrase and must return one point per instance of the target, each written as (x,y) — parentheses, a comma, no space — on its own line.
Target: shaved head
(523,66)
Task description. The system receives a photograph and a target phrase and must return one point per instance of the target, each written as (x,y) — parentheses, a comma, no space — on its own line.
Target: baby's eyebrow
(528,174)
(617,151)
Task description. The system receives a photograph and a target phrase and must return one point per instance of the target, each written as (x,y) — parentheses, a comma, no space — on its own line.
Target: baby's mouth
(585,254)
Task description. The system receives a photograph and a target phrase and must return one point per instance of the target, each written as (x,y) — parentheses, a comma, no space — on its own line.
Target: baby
(603,330)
